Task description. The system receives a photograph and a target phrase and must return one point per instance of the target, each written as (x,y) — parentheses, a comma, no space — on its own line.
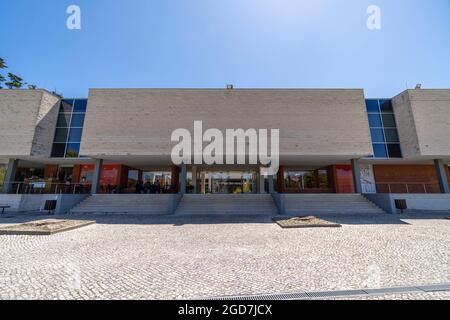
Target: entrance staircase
(226,204)
(125,204)
(319,204)
(223,204)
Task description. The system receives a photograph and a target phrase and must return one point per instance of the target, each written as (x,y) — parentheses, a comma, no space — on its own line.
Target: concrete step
(227,204)
(312,204)
(125,204)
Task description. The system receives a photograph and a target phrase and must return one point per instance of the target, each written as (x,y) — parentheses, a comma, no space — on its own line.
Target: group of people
(148,187)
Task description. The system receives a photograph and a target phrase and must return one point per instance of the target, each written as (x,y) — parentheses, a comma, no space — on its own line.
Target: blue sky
(209,43)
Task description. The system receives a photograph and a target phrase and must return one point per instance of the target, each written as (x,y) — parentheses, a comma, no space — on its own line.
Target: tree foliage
(13,81)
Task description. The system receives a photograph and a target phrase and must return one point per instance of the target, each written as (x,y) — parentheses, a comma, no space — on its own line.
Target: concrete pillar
(271,186)
(194,179)
(356,175)
(183,177)
(10,176)
(96,177)
(442,175)
(261,183)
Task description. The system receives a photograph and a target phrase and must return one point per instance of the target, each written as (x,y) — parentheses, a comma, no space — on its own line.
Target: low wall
(33,203)
(416,202)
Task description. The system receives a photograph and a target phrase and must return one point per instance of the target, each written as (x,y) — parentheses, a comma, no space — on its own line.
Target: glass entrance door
(227,182)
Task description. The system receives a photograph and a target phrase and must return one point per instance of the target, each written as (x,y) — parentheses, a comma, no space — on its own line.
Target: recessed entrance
(227,182)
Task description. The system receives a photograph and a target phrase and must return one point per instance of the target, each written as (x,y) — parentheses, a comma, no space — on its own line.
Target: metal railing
(407,187)
(46,187)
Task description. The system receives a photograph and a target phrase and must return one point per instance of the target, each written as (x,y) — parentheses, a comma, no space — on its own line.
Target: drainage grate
(329,294)
(341,293)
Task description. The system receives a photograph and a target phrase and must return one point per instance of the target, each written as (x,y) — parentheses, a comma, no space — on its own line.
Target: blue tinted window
(380,151)
(77,120)
(375,121)
(75,135)
(80,105)
(377,135)
(73,149)
(372,106)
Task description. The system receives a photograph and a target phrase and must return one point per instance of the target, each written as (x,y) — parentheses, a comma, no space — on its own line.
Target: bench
(3,208)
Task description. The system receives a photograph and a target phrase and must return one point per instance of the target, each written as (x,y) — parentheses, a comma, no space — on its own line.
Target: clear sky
(209,43)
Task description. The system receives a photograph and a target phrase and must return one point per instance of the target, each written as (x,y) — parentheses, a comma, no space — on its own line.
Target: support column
(96,177)
(194,179)
(356,175)
(183,177)
(10,175)
(261,183)
(442,175)
(271,186)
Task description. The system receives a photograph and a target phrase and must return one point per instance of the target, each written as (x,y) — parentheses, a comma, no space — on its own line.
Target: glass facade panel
(383,129)
(66,106)
(394,151)
(61,135)
(380,151)
(388,120)
(77,120)
(372,106)
(80,105)
(73,149)
(377,135)
(386,106)
(63,120)
(59,150)
(69,128)
(75,135)
(391,135)
(375,121)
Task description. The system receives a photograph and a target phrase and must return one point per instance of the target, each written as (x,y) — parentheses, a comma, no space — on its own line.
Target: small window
(394,151)
(73,149)
(380,151)
(59,150)
(77,120)
(377,135)
(80,105)
(75,135)
(375,121)
(372,106)
(61,135)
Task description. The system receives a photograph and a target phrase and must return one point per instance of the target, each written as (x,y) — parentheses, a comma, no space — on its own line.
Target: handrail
(407,185)
(47,187)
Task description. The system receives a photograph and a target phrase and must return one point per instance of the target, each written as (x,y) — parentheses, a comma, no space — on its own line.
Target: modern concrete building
(337,151)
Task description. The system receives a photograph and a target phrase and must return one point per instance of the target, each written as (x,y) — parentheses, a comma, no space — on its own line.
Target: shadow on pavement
(181,220)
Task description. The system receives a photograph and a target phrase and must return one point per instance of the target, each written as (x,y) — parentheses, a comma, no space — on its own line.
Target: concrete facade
(423,122)
(27,123)
(122,122)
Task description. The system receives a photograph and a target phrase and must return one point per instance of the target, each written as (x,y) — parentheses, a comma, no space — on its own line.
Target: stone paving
(199,257)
